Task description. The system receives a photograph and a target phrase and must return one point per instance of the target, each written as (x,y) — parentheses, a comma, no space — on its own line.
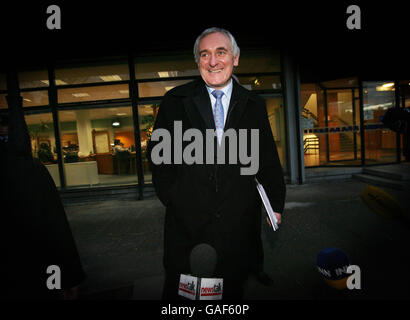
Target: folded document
(268,207)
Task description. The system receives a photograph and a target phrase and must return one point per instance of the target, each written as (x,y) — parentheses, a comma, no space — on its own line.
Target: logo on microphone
(188,286)
(211,289)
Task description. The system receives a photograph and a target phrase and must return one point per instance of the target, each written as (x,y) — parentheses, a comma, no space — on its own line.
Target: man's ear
(236,61)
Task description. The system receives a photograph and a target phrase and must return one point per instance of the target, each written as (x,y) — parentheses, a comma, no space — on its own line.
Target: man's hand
(278,216)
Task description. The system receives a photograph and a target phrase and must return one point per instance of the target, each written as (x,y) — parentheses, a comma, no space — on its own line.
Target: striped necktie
(218,114)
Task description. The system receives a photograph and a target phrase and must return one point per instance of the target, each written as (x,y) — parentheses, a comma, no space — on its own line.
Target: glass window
(274,107)
(43,143)
(33,79)
(160,67)
(258,61)
(94,93)
(380,142)
(98,146)
(158,88)
(35,98)
(91,74)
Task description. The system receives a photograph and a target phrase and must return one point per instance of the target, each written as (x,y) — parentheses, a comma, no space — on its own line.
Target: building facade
(90,120)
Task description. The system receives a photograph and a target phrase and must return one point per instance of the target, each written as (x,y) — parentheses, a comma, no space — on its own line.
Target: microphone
(200,284)
(203,260)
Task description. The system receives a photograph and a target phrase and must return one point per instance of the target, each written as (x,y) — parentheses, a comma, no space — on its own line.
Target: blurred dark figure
(398,120)
(35,233)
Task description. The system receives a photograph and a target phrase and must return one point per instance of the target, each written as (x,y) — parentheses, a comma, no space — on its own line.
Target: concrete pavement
(120,244)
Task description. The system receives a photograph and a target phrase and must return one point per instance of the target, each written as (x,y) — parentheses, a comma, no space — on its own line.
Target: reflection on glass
(98,146)
(43,144)
(110,92)
(380,142)
(158,88)
(35,98)
(255,83)
(147,114)
(91,74)
(274,107)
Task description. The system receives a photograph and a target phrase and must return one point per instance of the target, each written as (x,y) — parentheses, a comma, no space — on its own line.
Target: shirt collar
(227,90)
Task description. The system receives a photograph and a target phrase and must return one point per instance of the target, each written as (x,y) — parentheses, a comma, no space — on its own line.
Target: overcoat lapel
(237,106)
(200,104)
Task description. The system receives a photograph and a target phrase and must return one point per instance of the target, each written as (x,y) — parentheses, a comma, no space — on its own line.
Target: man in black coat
(35,235)
(214,202)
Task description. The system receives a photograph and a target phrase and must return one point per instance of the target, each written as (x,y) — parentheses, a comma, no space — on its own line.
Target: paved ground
(120,243)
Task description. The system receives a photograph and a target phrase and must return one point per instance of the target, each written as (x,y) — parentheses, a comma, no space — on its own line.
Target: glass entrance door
(342,122)
(331,122)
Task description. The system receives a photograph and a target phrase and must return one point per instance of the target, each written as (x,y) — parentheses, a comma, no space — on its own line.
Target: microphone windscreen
(332,263)
(203,260)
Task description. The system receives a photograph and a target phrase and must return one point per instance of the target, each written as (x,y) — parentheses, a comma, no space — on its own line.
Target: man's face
(216,60)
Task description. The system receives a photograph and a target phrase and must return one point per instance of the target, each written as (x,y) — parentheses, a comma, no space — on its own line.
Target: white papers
(268,207)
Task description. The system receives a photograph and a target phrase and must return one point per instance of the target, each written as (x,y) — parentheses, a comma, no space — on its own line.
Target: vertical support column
(52,98)
(362,139)
(292,101)
(354,124)
(397,105)
(85,140)
(137,137)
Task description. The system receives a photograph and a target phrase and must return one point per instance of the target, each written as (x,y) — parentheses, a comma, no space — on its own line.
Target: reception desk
(118,163)
(76,173)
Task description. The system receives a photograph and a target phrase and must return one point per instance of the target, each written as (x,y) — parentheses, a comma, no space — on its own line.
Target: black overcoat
(214,203)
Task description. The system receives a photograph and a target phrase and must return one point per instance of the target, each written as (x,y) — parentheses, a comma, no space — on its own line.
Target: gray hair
(234,45)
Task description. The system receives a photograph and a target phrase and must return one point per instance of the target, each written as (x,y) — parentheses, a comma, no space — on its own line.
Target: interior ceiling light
(121,114)
(167,74)
(81,94)
(113,77)
(388,85)
(163,74)
(58,82)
